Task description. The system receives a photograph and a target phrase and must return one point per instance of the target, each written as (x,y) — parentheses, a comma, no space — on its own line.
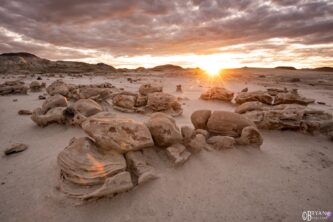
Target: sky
(209,34)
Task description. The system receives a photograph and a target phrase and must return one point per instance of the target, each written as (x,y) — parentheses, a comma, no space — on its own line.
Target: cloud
(159,28)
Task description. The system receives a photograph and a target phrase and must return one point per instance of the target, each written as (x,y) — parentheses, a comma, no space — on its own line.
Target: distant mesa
(286,67)
(20,54)
(324,69)
(167,67)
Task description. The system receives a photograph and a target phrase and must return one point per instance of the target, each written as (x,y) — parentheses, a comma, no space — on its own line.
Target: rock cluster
(225,129)
(285,116)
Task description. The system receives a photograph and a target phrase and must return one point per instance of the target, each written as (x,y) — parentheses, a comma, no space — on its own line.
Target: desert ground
(292,171)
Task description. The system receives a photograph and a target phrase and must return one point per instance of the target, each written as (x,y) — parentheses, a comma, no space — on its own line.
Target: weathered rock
(178,154)
(245,90)
(286,116)
(275,91)
(41,97)
(54,101)
(16,148)
(24,112)
(118,183)
(13,87)
(205,133)
(200,118)
(187,132)
(141,101)
(260,96)
(164,130)
(227,123)
(164,102)
(197,143)
(84,163)
(58,87)
(54,115)
(250,135)
(35,86)
(139,167)
(179,88)
(145,89)
(291,98)
(222,142)
(87,107)
(250,106)
(126,101)
(217,93)
(118,133)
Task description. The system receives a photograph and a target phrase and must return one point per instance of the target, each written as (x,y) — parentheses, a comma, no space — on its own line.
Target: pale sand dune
(292,172)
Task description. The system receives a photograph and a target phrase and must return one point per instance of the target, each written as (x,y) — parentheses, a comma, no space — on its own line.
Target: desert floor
(291,172)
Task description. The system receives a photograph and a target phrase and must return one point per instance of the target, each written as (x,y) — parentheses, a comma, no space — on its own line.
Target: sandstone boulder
(227,123)
(35,86)
(260,96)
(178,154)
(291,98)
(13,87)
(86,107)
(54,115)
(217,93)
(58,87)
(250,135)
(117,133)
(200,118)
(145,89)
(164,102)
(139,167)
(84,163)
(125,101)
(164,130)
(249,106)
(54,101)
(222,142)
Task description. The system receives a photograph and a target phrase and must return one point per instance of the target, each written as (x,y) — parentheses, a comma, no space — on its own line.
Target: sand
(291,172)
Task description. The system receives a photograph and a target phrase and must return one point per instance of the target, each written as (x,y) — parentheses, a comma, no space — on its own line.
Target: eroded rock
(164,102)
(54,101)
(217,93)
(118,133)
(178,154)
(145,89)
(260,96)
(200,118)
(54,115)
(58,87)
(164,130)
(15,148)
(222,142)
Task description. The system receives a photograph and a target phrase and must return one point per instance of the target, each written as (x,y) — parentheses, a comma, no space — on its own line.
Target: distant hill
(167,67)
(285,67)
(324,69)
(23,62)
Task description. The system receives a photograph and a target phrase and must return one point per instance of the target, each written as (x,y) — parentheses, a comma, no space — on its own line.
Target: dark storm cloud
(159,27)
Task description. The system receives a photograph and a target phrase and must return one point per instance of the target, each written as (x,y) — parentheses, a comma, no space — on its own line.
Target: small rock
(24,112)
(15,148)
(205,133)
(245,90)
(41,97)
(222,142)
(178,153)
(179,88)
(14,100)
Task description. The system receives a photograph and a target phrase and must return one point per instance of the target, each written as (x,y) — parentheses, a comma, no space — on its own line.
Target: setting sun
(211,69)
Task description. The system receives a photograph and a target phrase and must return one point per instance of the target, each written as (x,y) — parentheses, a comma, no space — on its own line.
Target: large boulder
(227,123)
(260,96)
(54,101)
(58,87)
(118,133)
(164,102)
(164,130)
(125,101)
(200,118)
(217,93)
(145,89)
(86,107)
(82,162)
(54,115)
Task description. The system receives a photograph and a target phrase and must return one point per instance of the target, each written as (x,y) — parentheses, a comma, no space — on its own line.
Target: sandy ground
(292,172)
